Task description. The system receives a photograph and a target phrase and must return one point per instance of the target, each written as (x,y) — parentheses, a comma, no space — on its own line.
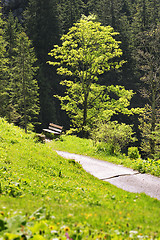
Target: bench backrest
(55,128)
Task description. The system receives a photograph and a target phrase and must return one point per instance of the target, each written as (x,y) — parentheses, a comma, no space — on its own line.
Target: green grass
(81,146)
(43,196)
(87,147)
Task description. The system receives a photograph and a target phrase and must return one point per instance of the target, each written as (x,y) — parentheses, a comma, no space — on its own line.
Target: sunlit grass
(87,147)
(81,146)
(71,203)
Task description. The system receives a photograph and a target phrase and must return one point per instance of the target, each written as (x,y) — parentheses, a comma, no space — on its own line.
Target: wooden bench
(53,128)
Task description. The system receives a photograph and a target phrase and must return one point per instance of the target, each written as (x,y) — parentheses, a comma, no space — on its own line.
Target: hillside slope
(43,196)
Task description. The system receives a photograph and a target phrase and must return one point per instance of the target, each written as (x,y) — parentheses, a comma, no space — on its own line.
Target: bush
(133,153)
(147,166)
(106,148)
(113,134)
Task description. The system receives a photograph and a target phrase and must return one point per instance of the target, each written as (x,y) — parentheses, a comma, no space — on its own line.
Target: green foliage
(107,148)
(145,15)
(87,45)
(147,166)
(108,12)
(20,91)
(88,50)
(142,15)
(41,22)
(42,27)
(69,12)
(45,21)
(133,153)
(25,70)
(113,134)
(148,63)
(12,30)
(3,66)
(150,135)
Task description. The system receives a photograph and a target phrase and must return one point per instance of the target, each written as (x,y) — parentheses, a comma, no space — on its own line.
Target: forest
(90,66)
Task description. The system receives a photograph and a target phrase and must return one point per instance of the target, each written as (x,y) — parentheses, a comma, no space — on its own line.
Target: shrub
(147,166)
(133,153)
(113,134)
(107,148)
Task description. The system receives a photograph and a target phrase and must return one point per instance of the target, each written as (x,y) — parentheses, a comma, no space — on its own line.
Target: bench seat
(53,128)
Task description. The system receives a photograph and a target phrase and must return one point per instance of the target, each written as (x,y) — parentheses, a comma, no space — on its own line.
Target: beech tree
(88,50)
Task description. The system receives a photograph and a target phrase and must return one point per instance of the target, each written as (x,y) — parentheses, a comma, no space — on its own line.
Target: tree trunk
(112,14)
(85,105)
(24,92)
(153,122)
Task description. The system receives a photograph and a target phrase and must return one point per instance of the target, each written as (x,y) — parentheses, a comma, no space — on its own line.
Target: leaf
(15,222)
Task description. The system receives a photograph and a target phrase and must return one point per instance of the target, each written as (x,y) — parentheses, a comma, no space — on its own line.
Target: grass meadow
(87,147)
(46,197)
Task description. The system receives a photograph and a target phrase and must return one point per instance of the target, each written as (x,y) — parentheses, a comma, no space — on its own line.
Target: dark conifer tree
(69,12)
(42,26)
(12,30)
(3,70)
(27,96)
(20,89)
(148,62)
(155,11)
(108,11)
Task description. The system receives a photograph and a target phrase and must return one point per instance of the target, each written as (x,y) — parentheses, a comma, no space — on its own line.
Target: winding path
(122,177)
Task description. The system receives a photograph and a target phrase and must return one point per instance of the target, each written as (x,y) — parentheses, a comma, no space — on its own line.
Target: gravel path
(122,177)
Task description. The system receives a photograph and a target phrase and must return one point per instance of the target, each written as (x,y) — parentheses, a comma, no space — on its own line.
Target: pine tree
(69,12)
(141,16)
(27,104)
(155,11)
(108,11)
(3,69)
(146,13)
(149,64)
(41,24)
(11,31)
